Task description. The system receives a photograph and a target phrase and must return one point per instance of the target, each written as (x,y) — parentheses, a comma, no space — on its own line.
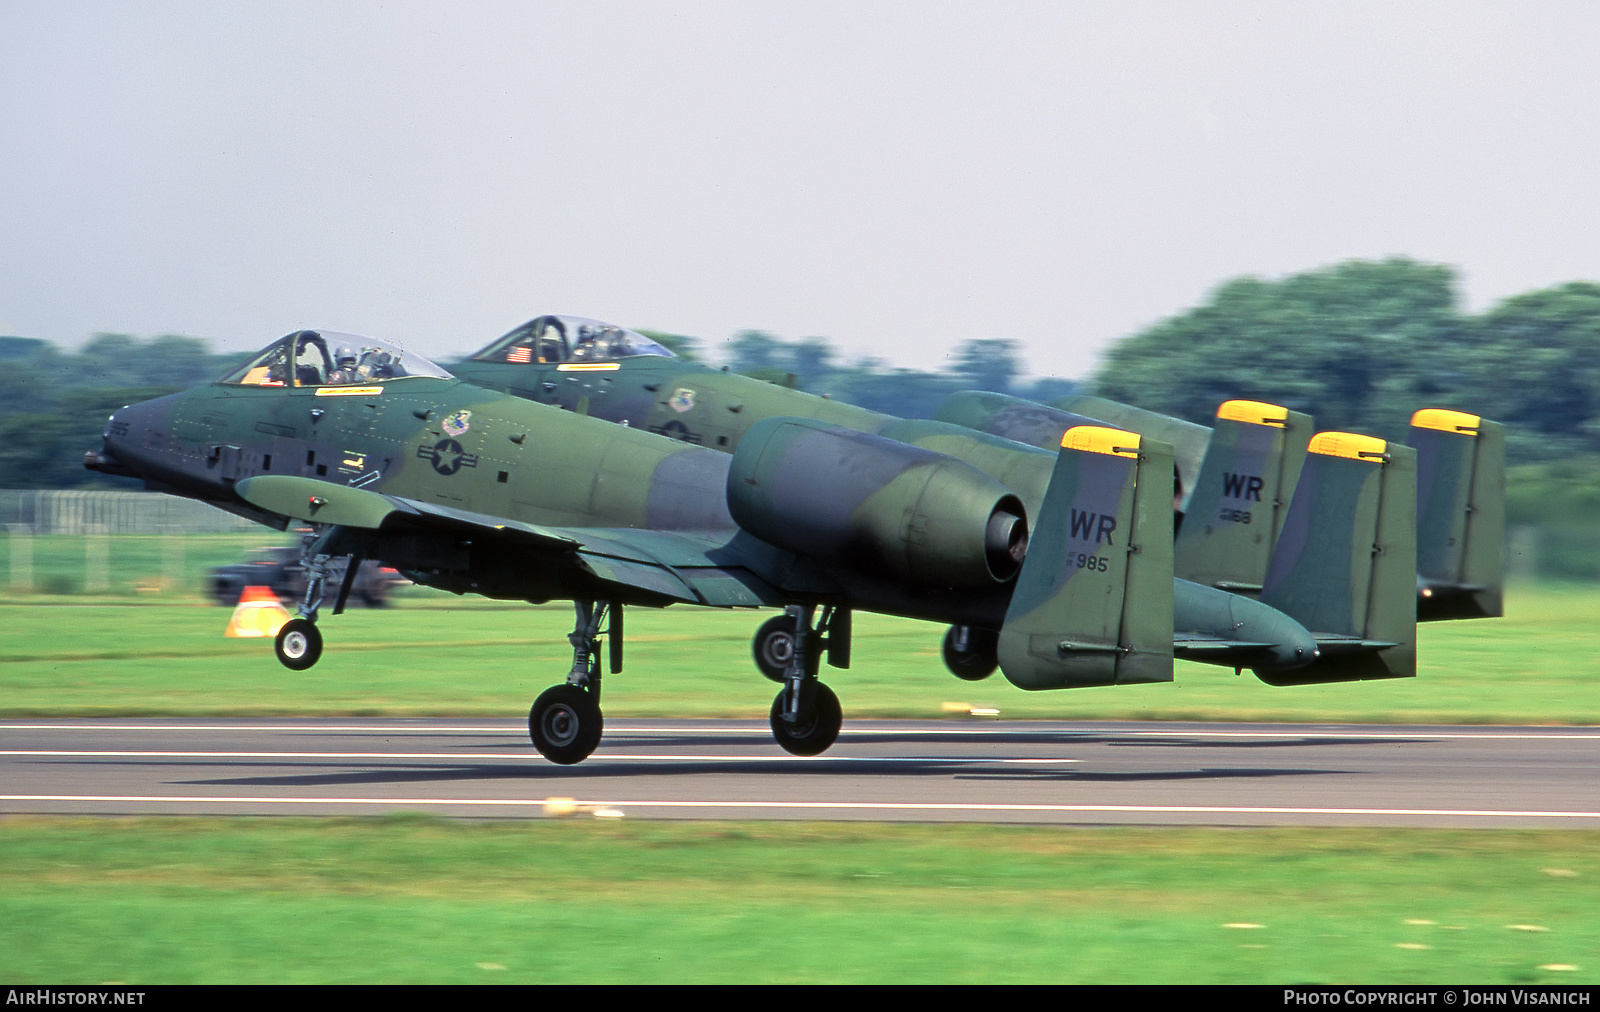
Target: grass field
(435,653)
(414,899)
(427,901)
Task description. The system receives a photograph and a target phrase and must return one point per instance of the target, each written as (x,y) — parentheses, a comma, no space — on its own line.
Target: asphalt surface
(1023,772)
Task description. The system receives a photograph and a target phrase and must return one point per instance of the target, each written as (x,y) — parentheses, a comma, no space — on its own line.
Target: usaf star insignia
(447,457)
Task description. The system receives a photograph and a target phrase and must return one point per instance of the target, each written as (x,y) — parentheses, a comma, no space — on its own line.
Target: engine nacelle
(875,505)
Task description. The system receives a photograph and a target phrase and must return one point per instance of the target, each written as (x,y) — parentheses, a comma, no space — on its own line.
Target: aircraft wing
(672,565)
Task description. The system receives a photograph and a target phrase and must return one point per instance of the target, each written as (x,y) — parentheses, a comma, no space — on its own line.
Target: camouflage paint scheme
(1040,425)
(388,457)
(1128,644)
(1460,504)
(1010,440)
(1461,514)
(1358,490)
(623,377)
(498,465)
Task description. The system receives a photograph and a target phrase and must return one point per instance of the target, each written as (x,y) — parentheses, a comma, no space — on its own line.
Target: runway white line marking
(458,757)
(374,728)
(1317,731)
(884,806)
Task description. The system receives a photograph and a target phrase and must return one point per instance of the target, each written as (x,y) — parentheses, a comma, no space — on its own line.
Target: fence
(102,512)
(1555,551)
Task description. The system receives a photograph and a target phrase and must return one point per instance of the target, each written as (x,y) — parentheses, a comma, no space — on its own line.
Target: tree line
(1359,345)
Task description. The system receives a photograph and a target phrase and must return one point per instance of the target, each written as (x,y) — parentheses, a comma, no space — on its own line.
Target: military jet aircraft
(387,456)
(1258,451)
(1241,475)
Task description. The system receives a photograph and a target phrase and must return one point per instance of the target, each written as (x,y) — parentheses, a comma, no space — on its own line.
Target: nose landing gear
(299,642)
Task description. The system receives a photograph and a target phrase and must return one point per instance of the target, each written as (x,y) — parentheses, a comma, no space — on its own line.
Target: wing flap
(678,566)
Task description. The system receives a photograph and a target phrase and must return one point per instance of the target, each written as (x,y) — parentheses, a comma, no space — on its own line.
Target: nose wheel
(299,644)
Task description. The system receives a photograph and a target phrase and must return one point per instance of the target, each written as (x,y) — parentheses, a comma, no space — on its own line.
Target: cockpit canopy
(551,339)
(316,358)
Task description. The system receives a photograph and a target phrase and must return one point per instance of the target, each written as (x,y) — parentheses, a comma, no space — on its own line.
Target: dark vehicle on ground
(280,569)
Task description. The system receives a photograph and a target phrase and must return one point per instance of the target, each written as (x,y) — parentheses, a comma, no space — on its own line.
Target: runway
(1020,772)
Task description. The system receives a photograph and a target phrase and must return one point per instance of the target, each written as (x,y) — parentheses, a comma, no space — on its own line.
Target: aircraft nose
(124,434)
(120,426)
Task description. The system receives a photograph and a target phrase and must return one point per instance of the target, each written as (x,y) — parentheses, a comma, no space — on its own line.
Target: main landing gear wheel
(299,644)
(774,646)
(971,654)
(818,724)
(565,724)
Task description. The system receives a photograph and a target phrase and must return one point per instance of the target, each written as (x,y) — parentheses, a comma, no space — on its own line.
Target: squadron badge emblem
(682,400)
(456,424)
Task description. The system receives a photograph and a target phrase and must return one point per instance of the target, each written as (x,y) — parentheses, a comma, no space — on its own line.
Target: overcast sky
(895,177)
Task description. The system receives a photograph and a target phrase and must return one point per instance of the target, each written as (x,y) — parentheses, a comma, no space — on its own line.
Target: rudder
(1241,497)
(1461,514)
(1093,603)
(1346,561)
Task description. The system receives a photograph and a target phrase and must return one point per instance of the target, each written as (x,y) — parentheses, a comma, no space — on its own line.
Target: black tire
(980,658)
(299,644)
(565,724)
(773,646)
(818,726)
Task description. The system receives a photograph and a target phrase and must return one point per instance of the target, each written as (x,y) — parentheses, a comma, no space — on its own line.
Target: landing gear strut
(806,715)
(565,722)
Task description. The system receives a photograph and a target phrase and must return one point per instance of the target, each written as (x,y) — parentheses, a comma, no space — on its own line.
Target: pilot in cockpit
(595,343)
(376,364)
(345,368)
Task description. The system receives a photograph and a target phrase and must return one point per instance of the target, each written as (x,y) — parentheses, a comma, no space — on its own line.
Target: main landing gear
(299,642)
(806,715)
(565,722)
